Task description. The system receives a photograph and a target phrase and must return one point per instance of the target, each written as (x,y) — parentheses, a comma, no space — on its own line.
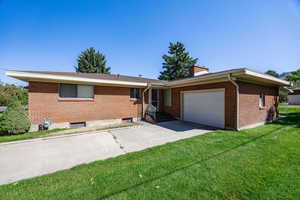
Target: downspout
(237,101)
(145,90)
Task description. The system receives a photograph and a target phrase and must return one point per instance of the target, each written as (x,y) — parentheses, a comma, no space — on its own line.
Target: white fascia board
(268,77)
(208,77)
(28,76)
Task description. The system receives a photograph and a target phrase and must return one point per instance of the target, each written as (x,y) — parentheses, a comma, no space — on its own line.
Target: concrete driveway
(30,158)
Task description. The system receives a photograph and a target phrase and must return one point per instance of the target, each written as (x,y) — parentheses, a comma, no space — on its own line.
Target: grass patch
(259,163)
(29,135)
(286,109)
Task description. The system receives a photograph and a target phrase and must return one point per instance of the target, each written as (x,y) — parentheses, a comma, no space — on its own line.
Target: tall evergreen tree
(176,65)
(272,73)
(91,61)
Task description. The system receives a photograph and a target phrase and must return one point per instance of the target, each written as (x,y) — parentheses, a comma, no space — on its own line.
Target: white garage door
(204,107)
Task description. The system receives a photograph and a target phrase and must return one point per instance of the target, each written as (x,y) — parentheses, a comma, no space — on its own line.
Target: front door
(155,98)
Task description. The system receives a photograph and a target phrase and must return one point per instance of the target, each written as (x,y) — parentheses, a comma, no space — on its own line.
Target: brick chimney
(197,70)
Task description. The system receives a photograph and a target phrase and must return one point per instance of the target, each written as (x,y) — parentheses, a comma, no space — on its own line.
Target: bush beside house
(14,119)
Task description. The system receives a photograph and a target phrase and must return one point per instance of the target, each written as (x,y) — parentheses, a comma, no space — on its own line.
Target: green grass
(285,109)
(29,135)
(259,163)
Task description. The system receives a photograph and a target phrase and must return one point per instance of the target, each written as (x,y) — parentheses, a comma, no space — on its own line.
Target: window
(168,97)
(76,91)
(135,93)
(262,101)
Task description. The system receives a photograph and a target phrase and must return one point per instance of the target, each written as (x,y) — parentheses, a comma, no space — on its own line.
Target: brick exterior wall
(196,69)
(250,112)
(114,103)
(230,101)
(108,103)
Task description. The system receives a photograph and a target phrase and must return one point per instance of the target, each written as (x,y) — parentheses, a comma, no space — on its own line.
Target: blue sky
(134,34)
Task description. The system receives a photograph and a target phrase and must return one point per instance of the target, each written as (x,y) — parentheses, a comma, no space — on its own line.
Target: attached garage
(205,107)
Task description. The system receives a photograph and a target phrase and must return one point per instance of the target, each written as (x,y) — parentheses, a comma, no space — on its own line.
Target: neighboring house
(232,99)
(294,97)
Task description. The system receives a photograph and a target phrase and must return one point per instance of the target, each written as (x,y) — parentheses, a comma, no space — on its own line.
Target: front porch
(154,106)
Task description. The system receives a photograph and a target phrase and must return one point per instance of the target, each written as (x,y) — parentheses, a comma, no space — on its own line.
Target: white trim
(204,91)
(28,76)
(265,76)
(221,75)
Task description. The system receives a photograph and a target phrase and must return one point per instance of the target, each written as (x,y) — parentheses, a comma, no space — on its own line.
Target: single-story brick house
(232,99)
(294,97)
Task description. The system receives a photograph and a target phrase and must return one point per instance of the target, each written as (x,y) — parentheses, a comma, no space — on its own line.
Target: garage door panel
(204,108)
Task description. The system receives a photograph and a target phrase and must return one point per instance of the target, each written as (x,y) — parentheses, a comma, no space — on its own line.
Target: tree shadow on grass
(290,119)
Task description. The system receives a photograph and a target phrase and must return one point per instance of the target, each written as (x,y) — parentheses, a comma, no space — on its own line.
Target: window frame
(134,96)
(262,100)
(170,101)
(76,96)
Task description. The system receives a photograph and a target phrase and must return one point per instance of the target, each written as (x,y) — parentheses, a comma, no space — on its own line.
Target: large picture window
(135,93)
(76,91)
(168,97)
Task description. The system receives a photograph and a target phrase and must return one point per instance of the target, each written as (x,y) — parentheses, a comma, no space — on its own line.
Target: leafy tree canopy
(272,73)
(91,61)
(176,65)
(294,76)
(9,92)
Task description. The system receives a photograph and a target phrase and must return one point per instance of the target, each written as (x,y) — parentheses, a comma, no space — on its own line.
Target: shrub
(14,119)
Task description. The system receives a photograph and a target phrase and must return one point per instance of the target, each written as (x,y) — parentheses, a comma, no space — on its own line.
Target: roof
(242,74)
(100,76)
(86,78)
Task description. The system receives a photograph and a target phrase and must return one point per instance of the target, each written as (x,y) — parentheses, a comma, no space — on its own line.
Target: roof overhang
(243,74)
(237,74)
(39,77)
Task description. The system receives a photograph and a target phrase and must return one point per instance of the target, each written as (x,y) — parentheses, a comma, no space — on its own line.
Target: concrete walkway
(30,158)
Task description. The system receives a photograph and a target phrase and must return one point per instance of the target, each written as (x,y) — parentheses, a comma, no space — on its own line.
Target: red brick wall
(250,113)
(108,103)
(230,101)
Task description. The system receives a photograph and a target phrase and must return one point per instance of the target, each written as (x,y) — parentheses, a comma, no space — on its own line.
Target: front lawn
(259,163)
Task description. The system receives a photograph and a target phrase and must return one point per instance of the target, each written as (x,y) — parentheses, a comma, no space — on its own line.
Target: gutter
(237,101)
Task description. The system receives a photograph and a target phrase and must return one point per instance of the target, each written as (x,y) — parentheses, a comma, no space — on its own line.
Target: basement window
(77,125)
(262,100)
(127,119)
(76,91)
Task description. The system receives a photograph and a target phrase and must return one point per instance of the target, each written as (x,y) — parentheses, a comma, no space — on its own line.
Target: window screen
(76,91)
(168,97)
(68,91)
(135,93)
(85,91)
